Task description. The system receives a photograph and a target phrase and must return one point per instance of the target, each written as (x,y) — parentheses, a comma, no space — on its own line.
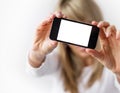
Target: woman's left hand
(109,55)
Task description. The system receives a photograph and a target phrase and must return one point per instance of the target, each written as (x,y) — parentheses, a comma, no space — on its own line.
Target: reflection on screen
(74,33)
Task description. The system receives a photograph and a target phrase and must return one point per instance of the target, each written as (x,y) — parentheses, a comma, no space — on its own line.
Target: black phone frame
(93,36)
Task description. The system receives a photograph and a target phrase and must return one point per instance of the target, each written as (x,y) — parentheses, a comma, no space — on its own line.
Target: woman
(79,71)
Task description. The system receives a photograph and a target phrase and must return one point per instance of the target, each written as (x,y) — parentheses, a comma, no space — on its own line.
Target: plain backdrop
(18,21)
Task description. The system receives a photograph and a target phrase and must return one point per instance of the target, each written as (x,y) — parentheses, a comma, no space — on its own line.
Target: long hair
(79,10)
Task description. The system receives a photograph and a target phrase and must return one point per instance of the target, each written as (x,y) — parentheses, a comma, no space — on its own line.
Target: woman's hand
(42,44)
(109,55)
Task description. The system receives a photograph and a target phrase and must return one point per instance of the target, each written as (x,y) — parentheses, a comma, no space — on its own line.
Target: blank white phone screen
(74,32)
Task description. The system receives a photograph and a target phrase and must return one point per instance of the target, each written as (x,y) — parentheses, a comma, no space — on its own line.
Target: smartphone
(74,32)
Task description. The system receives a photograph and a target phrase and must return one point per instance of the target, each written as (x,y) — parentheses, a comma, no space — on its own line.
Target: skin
(109,40)
(110,47)
(81,55)
(42,44)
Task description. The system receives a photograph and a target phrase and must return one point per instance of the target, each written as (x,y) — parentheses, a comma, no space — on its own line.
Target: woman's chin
(79,51)
(82,52)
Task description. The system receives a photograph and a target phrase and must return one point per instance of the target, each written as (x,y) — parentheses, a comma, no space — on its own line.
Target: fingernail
(108,34)
(58,14)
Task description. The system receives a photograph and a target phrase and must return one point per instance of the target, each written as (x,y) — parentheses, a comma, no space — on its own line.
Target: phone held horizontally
(74,32)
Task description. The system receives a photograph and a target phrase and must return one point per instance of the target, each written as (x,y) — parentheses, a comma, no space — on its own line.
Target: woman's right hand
(42,44)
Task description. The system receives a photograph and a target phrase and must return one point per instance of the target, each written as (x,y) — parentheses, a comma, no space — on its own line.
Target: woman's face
(79,51)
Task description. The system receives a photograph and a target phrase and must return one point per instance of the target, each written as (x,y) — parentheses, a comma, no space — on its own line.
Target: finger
(53,43)
(103,40)
(52,17)
(58,14)
(49,45)
(64,16)
(44,28)
(118,35)
(103,24)
(94,23)
(102,35)
(110,31)
(47,21)
(44,22)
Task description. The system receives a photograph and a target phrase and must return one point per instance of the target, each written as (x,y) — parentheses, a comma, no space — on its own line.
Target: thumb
(97,55)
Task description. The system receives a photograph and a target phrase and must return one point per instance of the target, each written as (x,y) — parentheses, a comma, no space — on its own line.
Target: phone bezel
(93,36)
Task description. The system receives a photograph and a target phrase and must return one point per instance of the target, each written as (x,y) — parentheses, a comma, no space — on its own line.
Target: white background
(18,21)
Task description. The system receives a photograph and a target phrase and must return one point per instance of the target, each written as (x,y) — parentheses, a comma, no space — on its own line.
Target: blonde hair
(79,10)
